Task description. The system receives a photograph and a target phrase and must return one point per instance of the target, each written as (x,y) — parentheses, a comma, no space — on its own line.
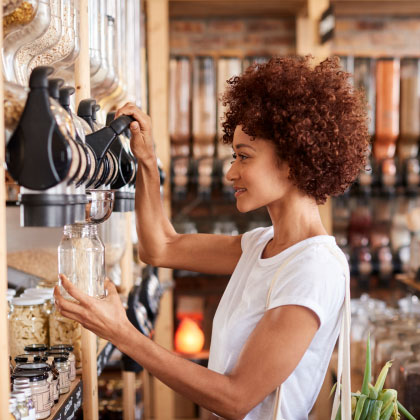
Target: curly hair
(313,115)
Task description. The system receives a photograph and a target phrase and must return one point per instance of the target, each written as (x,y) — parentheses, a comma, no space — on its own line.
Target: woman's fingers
(63,305)
(74,292)
(110,287)
(142,118)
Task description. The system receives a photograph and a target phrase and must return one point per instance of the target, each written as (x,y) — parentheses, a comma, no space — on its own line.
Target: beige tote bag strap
(343,368)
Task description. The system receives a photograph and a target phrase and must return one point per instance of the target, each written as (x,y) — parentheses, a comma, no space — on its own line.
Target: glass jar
(112,233)
(28,324)
(62,365)
(72,359)
(40,387)
(65,330)
(10,6)
(21,404)
(64,45)
(46,294)
(43,367)
(81,257)
(26,389)
(13,102)
(25,25)
(94,42)
(100,75)
(29,53)
(110,82)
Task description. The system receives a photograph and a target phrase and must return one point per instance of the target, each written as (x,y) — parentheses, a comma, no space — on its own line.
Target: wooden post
(158,65)
(308,42)
(129,395)
(129,378)
(89,362)
(4,343)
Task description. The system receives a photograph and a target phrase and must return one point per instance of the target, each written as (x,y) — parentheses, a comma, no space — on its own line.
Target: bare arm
(266,360)
(159,243)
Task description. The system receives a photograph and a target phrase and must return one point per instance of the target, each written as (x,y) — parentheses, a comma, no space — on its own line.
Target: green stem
(404,411)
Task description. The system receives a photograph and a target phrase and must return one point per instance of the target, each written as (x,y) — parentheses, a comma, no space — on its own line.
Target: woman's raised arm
(159,244)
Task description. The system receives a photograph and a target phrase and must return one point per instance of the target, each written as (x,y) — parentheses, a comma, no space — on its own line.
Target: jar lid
(67,347)
(58,353)
(22,358)
(60,359)
(39,295)
(32,375)
(39,290)
(32,348)
(28,301)
(41,359)
(32,366)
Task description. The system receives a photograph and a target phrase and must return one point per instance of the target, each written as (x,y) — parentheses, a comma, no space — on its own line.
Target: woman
(298,134)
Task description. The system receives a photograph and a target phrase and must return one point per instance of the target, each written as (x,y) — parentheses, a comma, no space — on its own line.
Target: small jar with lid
(72,359)
(21,404)
(43,367)
(62,365)
(38,381)
(26,389)
(36,349)
(28,324)
(24,358)
(13,411)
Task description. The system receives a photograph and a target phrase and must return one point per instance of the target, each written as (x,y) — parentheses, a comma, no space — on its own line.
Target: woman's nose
(232,173)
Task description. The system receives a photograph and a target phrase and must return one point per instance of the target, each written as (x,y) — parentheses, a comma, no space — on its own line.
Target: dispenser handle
(120,124)
(54,86)
(65,94)
(85,108)
(39,75)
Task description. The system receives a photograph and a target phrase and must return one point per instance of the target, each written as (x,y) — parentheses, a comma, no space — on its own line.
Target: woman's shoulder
(255,237)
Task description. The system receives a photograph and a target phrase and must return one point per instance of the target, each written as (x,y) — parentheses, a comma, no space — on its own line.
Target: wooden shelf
(251,8)
(288,8)
(409,281)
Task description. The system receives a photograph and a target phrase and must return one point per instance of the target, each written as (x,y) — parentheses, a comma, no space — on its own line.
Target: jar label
(64,380)
(42,400)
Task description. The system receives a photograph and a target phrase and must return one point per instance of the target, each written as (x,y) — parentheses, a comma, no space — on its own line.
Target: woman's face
(257,177)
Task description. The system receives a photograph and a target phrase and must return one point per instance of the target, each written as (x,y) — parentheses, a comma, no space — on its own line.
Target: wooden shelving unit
(85,388)
(408,281)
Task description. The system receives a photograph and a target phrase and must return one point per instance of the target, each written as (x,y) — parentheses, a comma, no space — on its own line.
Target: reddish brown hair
(313,115)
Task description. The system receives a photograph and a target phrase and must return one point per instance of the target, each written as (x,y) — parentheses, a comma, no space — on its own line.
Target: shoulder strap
(343,368)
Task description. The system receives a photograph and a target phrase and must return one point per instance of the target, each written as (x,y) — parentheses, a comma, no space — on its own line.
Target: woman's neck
(294,219)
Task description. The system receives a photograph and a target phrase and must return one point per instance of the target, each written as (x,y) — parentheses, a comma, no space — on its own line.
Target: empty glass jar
(81,258)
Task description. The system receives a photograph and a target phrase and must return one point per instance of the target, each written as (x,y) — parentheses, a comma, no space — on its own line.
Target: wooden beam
(157,16)
(308,42)
(4,343)
(89,368)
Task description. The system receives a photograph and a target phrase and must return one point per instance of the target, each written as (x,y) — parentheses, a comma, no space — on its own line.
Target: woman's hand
(142,145)
(105,317)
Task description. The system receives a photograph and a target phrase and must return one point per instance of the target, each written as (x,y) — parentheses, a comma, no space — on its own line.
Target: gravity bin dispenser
(56,159)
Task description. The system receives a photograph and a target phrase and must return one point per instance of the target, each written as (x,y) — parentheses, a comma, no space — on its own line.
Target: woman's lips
(239,191)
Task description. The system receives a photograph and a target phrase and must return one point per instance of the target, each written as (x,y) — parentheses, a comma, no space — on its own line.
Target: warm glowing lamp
(189,338)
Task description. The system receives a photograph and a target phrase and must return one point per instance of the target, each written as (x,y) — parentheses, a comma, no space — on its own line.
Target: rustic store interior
(79,61)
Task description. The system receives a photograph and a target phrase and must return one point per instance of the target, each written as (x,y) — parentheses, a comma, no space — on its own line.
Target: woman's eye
(241,157)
